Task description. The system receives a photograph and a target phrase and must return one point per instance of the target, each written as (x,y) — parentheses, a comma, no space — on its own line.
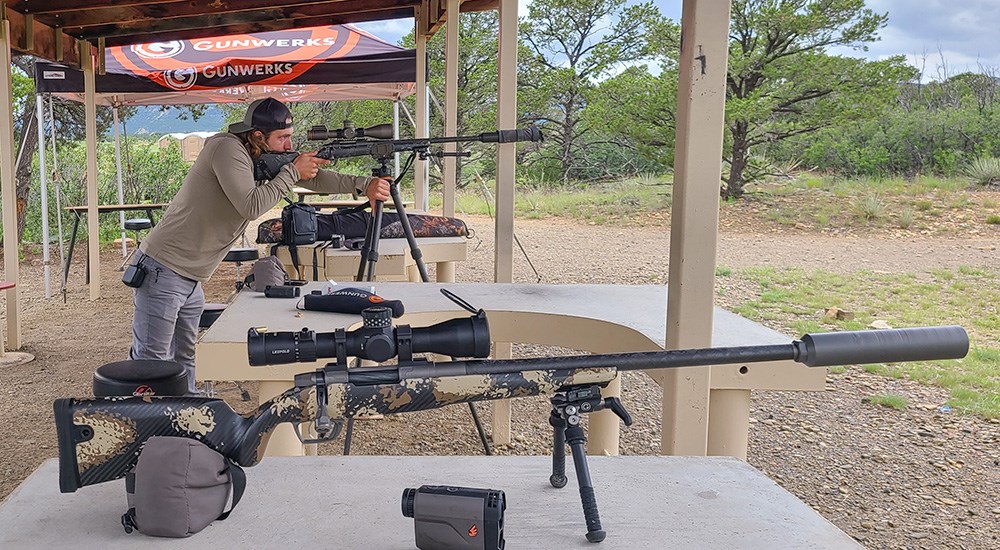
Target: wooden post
(420,167)
(90,114)
(450,106)
(11,268)
(503,259)
(701,100)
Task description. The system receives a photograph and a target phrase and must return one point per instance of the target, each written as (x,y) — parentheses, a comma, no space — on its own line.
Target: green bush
(984,171)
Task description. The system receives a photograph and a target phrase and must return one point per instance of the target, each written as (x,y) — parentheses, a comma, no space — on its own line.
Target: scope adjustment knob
(377,317)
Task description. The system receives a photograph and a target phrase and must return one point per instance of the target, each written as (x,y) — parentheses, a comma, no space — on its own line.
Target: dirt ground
(912,478)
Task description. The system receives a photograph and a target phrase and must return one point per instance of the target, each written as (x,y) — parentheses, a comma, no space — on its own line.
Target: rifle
(266,167)
(100,438)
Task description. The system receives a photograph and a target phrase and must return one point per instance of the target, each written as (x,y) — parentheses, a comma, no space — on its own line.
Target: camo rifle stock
(100,438)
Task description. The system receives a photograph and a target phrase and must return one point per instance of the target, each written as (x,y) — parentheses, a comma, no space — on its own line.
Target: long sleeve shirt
(217,201)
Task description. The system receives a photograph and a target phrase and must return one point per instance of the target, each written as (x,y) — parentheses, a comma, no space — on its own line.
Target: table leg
(149,214)
(283,441)
(69,255)
(446,272)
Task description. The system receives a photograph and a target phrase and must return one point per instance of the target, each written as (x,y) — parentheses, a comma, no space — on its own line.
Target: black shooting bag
(298,226)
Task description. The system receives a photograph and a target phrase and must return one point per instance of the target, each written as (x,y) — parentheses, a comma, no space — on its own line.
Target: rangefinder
(455,518)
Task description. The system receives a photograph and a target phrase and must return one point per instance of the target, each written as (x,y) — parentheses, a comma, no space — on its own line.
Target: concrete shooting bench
(353,502)
(591,318)
(395,260)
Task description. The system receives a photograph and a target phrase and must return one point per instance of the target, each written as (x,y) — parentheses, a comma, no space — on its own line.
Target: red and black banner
(231,68)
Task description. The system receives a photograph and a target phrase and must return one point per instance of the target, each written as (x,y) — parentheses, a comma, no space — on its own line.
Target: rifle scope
(349,131)
(377,340)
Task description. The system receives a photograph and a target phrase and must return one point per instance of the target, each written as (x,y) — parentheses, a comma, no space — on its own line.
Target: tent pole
(421,167)
(46,262)
(118,173)
(395,134)
(58,184)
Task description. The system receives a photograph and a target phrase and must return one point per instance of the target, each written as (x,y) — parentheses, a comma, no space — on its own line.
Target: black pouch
(134,274)
(298,224)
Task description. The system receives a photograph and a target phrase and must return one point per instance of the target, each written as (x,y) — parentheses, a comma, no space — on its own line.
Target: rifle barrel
(813,350)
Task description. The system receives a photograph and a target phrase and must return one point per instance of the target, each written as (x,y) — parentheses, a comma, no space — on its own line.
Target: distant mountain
(153,121)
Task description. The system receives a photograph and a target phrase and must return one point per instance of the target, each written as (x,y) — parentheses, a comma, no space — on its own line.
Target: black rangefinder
(453,518)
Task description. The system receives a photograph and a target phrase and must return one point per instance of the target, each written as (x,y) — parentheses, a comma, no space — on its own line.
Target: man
(216,202)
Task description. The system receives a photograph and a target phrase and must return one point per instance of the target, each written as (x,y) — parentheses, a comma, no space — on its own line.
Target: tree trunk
(22,172)
(741,152)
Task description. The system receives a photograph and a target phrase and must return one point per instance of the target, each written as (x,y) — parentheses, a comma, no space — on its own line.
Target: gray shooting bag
(178,487)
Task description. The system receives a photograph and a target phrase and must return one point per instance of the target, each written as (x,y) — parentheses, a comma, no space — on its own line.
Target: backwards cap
(264,114)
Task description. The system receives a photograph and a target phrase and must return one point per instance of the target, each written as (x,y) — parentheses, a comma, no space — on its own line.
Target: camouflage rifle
(100,438)
(374,142)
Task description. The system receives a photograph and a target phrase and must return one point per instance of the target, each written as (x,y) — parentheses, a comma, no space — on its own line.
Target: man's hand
(308,165)
(377,190)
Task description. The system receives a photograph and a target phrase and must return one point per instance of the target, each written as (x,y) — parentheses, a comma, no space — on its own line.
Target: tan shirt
(217,201)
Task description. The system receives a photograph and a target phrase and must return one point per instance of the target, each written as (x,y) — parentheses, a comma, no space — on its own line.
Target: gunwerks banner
(334,62)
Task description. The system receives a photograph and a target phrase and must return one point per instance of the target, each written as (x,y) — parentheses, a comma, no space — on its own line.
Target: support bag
(179,487)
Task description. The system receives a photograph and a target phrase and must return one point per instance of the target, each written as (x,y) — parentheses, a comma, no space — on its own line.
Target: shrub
(984,171)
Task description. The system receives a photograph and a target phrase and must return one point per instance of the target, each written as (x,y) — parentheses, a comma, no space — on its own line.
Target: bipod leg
(415,252)
(348,432)
(558,478)
(479,428)
(577,439)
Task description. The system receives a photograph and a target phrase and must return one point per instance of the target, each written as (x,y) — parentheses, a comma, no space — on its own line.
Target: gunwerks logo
(180,79)
(159,50)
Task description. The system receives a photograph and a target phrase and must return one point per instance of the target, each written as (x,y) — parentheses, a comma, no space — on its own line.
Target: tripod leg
(479,428)
(408,231)
(369,251)
(577,438)
(558,478)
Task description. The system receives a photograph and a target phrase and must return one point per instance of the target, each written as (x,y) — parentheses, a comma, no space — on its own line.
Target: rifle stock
(100,438)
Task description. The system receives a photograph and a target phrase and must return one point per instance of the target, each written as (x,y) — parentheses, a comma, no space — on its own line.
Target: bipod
(567,406)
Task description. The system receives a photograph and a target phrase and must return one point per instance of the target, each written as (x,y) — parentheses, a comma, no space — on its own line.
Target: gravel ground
(911,478)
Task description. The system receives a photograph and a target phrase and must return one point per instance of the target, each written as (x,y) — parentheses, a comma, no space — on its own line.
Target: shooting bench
(395,262)
(591,318)
(647,502)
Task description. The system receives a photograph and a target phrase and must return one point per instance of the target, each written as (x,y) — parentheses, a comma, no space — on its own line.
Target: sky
(941,38)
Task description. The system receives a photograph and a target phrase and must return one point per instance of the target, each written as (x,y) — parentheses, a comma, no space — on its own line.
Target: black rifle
(100,438)
(268,165)
(359,142)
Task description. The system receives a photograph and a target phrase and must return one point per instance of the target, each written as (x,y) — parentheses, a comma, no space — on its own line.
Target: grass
(599,203)
(794,300)
(893,401)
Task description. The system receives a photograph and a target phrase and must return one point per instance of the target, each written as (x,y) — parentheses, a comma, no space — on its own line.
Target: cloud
(958,35)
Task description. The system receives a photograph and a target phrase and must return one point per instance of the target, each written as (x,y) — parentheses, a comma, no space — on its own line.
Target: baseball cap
(264,114)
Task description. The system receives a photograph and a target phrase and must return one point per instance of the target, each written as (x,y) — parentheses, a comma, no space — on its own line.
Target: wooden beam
(47,42)
(191,29)
(251,10)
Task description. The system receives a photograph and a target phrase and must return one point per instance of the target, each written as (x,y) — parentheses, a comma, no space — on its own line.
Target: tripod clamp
(567,406)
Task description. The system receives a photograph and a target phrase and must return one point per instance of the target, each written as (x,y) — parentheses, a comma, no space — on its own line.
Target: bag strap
(128,518)
(293,251)
(239,479)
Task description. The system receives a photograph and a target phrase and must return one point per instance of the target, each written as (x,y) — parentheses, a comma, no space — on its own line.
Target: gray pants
(167,310)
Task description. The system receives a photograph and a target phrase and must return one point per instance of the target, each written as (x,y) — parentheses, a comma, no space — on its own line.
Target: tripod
(567,406)
(369,258)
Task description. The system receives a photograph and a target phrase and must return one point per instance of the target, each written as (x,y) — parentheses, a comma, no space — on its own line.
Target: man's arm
(231,164)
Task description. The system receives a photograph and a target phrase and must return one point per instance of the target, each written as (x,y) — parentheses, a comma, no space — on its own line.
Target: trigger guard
(338,426)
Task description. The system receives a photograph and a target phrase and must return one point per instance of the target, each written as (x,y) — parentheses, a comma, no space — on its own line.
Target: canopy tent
(330,63)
